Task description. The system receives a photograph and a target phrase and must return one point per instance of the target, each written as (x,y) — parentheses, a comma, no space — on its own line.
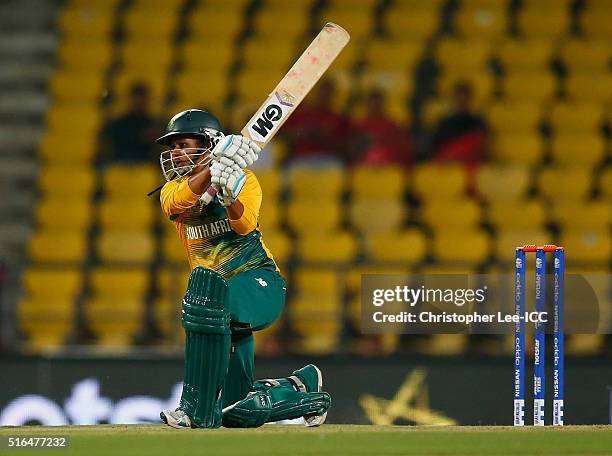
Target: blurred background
(446,133)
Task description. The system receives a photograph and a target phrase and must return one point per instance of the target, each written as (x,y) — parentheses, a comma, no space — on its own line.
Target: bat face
(269,118)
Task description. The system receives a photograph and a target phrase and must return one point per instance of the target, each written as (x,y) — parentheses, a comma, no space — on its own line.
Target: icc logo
(539,263)
(519,263)
(557,263)
(265,123)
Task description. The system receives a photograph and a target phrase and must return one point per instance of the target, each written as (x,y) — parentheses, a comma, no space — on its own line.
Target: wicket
(539,368)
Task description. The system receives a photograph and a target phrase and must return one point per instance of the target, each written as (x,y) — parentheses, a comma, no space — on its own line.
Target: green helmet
(192,122)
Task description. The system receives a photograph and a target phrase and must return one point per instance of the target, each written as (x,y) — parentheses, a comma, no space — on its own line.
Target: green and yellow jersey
(210,238)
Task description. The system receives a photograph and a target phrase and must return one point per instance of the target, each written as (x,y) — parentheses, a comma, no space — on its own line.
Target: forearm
(199,182)
(242,219)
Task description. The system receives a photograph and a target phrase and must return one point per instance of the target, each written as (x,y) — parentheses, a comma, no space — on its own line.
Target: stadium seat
(87,20)
(270,215)
(256,55)
(384,55)
(130,181)
(377,215)
(120,246)
(534,86)
(546,19)
(212,19)
(454,214)
(586,56)
(520,149)
(115,310)
(144,22)
(463,55)
(502,183)
(577,148)
(576,117)
(84,56)
(468,247)
(358,15)
(211,99)
(57,246)
(223,48)
(309,216)
(52,213)
(316,310)
(305,181)
(407,247)
(588,246)
(525,55)
(595,20)
(578,215)
(331,247)
(125,214)
(442,182)
(53,182)
(509,238)
(75,87)
(517,214)
(605,184)
(172,247)
(390,180)
(484,19)
(522,117)
(288,20)
(592,87)
(406,19)
(565,184)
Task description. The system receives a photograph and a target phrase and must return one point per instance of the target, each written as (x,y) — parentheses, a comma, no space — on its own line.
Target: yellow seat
(595,21)
(578,149)
(588,246)
(525,55)
(85,57)
(565,184)
(304,181)
(51,213)
(548,19)
(433,181)
(372,216)
(125,246)
(522,117)
(462,55)
(269,215)
(392,55)
(521,149)
(388,180)
(125,214)
(253,85)
(53,181)
(87,20)
(275,56)
(149,23)
(331,247)
(214,19)
(455,214)
(64,146)
(77,87)
(502,183)
(115,311)
(279,244)
(288,20)
(359,16)
(407,19)
(57,246)
(406,247)
(58,283)
(576,117)
(509,238)
(482,18)
(172,247)
(216,83)
(271,182)
(534,86)
(586,56)
(581,216)
(517,214)
(469,247)
(316,310)
(593,87)
(309,216)
(129,181)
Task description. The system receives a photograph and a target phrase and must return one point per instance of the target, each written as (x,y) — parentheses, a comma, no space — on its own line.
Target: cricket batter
(235,287)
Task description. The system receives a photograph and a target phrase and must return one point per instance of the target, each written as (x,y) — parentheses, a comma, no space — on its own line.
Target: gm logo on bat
(269,118)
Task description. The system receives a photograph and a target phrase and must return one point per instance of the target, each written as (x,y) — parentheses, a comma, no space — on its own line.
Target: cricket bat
(292,89)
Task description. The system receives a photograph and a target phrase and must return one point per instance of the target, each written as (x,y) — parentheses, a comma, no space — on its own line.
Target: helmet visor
(178,162)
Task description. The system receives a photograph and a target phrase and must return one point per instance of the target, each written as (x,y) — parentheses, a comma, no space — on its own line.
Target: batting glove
(229,177)
(239,149)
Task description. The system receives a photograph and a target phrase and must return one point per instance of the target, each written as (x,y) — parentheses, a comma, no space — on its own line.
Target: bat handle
(209,194)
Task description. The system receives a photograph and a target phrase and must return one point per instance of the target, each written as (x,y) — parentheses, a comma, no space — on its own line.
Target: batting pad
(207,346)
(277,403)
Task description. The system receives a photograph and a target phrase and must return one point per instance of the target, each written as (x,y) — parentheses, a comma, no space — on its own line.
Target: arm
(244,212)
(179,195)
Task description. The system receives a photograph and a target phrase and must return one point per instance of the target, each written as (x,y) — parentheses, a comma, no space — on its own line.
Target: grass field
(149,440)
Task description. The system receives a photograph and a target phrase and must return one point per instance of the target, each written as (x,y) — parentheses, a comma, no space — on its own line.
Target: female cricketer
(235,287)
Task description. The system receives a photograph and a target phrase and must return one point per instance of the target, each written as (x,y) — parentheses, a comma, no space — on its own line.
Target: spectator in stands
(461,135)
(387,142)
(316,132)
(130,137)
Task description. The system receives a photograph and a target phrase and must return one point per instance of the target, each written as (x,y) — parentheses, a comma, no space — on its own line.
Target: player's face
(186,151)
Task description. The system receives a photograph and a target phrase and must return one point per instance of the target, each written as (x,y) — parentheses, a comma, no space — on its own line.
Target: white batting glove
(229,177)
(237,148)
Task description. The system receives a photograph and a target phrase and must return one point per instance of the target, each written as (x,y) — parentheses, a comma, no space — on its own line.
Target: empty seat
(588,245)
(53,182)
(57,246)
(454,214)
(408,19)
(392,55)
(389,180)
(576,117)
(565,184)
(406,247)
(60,213)
(525,55)
(130,181)
(578,148)
(462,247)
(122,214)
(172,248)
(431,181)
(306,181)
(330,247)
(482,18)
(279,244)
(497,183)
(463,55)
(548,19)
(308,216)
(518,214)
(371,216)
(594,87)
(521,117)
(529,86)
(578,215)
(125,246)
(521,149)
(586,56)
(605,183)
(509,238)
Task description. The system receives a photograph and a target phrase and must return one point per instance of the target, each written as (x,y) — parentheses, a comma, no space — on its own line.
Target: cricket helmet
(192,123)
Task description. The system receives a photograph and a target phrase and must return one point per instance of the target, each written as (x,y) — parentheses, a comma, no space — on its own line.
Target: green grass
(271,440)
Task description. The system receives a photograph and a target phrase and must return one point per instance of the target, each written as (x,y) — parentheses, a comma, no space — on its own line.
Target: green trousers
(256,299)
